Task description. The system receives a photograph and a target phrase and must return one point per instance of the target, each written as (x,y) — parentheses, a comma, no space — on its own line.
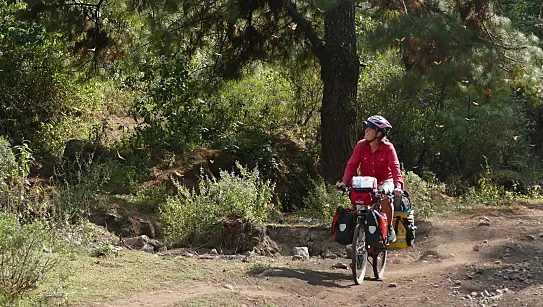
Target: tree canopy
(460,80)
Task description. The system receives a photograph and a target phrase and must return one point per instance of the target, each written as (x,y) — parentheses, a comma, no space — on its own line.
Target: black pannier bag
(375,228)
(410,235)
(404,204)
(343,225)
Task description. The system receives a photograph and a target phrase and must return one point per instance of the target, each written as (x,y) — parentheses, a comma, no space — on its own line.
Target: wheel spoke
(359,255)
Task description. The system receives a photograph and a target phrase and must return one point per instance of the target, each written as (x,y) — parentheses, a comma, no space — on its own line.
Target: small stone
(497,262)
(484,224)
(213,252)
(340,265)
(148,248)
(530,237)
(485,241)
(476,248)
(229,287)
(330,256)
(393,285)
(301,251)
(474,294)
(206,257)
(297,257)
(498,291)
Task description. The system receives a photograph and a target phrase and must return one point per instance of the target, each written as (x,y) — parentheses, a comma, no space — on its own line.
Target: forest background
(98,97)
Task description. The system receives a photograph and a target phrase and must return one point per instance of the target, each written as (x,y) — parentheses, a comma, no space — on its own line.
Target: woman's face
(370,134)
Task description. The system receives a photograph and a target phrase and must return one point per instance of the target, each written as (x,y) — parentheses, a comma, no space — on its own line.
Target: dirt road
(483,259)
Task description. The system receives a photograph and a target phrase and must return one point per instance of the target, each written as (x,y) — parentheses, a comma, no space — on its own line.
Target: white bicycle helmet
(378,123)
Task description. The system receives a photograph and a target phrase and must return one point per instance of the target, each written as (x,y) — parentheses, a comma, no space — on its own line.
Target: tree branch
(497,44)
(315,41)
(81,4)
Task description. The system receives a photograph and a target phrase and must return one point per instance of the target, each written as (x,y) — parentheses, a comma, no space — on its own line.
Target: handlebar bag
(364,183)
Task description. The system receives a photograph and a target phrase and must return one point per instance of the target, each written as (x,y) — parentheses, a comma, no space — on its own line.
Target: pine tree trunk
(339,73)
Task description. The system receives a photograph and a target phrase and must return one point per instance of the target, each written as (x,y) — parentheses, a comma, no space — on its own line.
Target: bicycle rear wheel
(359,254)
(379,262)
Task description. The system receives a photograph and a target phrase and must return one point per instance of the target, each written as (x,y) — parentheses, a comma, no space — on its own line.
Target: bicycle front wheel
(359,254)
(379,263)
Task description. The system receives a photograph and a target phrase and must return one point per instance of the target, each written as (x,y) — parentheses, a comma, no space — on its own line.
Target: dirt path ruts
(458,262)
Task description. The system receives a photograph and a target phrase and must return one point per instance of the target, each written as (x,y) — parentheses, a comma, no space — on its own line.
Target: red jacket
(383,164)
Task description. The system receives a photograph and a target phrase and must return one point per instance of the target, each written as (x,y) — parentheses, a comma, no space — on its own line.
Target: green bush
(242,194)
(423,194)
(323,201)
(486,194)
(23,263)
(8,164)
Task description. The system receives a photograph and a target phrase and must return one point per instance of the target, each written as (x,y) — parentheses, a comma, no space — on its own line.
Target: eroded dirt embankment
(484,259)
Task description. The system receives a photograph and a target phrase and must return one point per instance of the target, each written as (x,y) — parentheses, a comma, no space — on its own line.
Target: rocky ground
(488,258)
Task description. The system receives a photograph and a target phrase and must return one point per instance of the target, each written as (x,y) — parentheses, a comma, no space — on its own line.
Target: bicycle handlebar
(346,189)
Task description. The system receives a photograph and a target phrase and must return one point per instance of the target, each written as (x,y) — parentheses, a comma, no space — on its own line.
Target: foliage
(454,103)
(486,194)
(244,195)
(15,193)
(22,261)
(426,197)
(261,101)
(268,119)
(525,15)
(33,84)
(104,250)
(323,200)
(8,164)
(460,90)
(172,118)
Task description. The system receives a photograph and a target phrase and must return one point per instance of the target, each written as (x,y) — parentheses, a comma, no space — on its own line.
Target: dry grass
(98,280)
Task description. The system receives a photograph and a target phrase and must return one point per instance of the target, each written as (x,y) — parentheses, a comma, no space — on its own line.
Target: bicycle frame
(362,211)
(361,250)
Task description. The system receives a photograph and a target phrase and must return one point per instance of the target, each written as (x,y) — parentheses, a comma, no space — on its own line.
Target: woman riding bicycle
(375,156)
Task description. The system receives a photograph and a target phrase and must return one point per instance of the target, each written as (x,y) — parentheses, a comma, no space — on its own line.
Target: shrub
(8,164)
(486,194)
(323,201)
(234,195)
(422,194)
(23,263)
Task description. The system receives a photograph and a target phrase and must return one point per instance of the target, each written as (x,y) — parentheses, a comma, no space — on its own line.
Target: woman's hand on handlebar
(341,186)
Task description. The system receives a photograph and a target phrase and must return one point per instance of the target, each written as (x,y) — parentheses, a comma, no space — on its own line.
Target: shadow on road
(315,278)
